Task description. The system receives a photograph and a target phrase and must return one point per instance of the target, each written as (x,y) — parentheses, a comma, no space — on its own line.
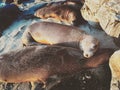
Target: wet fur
(53,30)
(67,11)
(38,63)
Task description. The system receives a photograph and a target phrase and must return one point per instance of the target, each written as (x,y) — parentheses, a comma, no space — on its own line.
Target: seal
(53,33)
(38,63)
(68,12)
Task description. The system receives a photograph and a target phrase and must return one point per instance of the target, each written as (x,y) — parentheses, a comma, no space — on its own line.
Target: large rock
(115,69)
(89,10)
(8,14)
(104,12)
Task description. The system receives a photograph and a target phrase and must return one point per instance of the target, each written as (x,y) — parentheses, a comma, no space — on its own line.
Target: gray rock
(104,12)
(8,14)
(115,69)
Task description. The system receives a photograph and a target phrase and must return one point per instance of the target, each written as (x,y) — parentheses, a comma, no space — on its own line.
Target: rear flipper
(27,39)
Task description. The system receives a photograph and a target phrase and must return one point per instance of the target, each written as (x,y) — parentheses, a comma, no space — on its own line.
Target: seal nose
(86,55)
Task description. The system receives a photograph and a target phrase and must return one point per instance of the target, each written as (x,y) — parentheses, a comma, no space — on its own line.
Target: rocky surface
(104,12)
(92,79)
(115,69)
(8,14)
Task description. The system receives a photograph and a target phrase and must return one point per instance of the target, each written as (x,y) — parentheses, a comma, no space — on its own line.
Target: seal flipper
(27,39)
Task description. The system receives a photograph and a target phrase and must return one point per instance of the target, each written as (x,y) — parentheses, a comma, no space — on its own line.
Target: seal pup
(38,63)
(67,12)
(53,33)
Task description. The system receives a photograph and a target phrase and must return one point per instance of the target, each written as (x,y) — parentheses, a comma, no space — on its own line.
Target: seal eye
(95,46)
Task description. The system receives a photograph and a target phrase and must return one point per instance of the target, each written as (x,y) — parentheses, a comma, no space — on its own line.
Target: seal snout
(89,45)
(88,55)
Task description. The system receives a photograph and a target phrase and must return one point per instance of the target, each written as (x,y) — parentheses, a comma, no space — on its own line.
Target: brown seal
(53,33)
(38,63)
(68,12)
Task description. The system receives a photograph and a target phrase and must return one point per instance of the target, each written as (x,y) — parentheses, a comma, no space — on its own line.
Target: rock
(89,10)
(104,12)
(8,14)
(109,17)
(115,69)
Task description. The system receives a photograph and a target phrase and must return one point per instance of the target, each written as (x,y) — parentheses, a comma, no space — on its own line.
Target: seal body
(35,64)
(53,33)
(67,11)
(38,63)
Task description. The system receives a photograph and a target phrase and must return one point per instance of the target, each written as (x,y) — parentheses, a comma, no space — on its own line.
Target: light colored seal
(53,33)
